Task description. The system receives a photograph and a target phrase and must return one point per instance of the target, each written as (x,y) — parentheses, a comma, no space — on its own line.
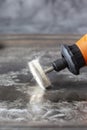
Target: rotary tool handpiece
(74,57)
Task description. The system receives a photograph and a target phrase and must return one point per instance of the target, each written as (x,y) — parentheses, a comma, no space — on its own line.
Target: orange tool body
(82,45)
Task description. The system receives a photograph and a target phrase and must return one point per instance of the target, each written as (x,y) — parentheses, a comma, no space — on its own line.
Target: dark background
(43,16)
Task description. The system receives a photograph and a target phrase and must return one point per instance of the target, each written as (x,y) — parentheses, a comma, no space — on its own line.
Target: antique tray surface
(65,105)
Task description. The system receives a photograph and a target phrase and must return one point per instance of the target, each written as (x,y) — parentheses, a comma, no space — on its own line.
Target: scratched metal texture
(65,105)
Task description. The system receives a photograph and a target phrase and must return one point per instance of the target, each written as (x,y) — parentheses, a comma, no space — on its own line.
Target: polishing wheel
(39,74)
(73,57)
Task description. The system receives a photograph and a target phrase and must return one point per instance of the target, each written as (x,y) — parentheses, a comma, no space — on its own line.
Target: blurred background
(43,16)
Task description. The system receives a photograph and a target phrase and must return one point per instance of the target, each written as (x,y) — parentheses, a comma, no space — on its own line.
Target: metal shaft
(49,69)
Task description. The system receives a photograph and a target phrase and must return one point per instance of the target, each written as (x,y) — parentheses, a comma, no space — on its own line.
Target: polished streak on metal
(37,95)
(39,74)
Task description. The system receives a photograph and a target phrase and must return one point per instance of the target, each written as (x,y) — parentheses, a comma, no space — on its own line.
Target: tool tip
(39,74)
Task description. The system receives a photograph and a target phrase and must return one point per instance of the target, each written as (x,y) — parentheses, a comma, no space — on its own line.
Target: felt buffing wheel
(39,74)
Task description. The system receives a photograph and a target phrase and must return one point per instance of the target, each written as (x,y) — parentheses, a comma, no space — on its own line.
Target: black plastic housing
(72,58)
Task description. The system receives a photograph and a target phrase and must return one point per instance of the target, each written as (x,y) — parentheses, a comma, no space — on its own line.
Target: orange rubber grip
(82,45)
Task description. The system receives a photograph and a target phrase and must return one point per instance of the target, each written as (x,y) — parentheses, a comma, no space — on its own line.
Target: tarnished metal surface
(64,105)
